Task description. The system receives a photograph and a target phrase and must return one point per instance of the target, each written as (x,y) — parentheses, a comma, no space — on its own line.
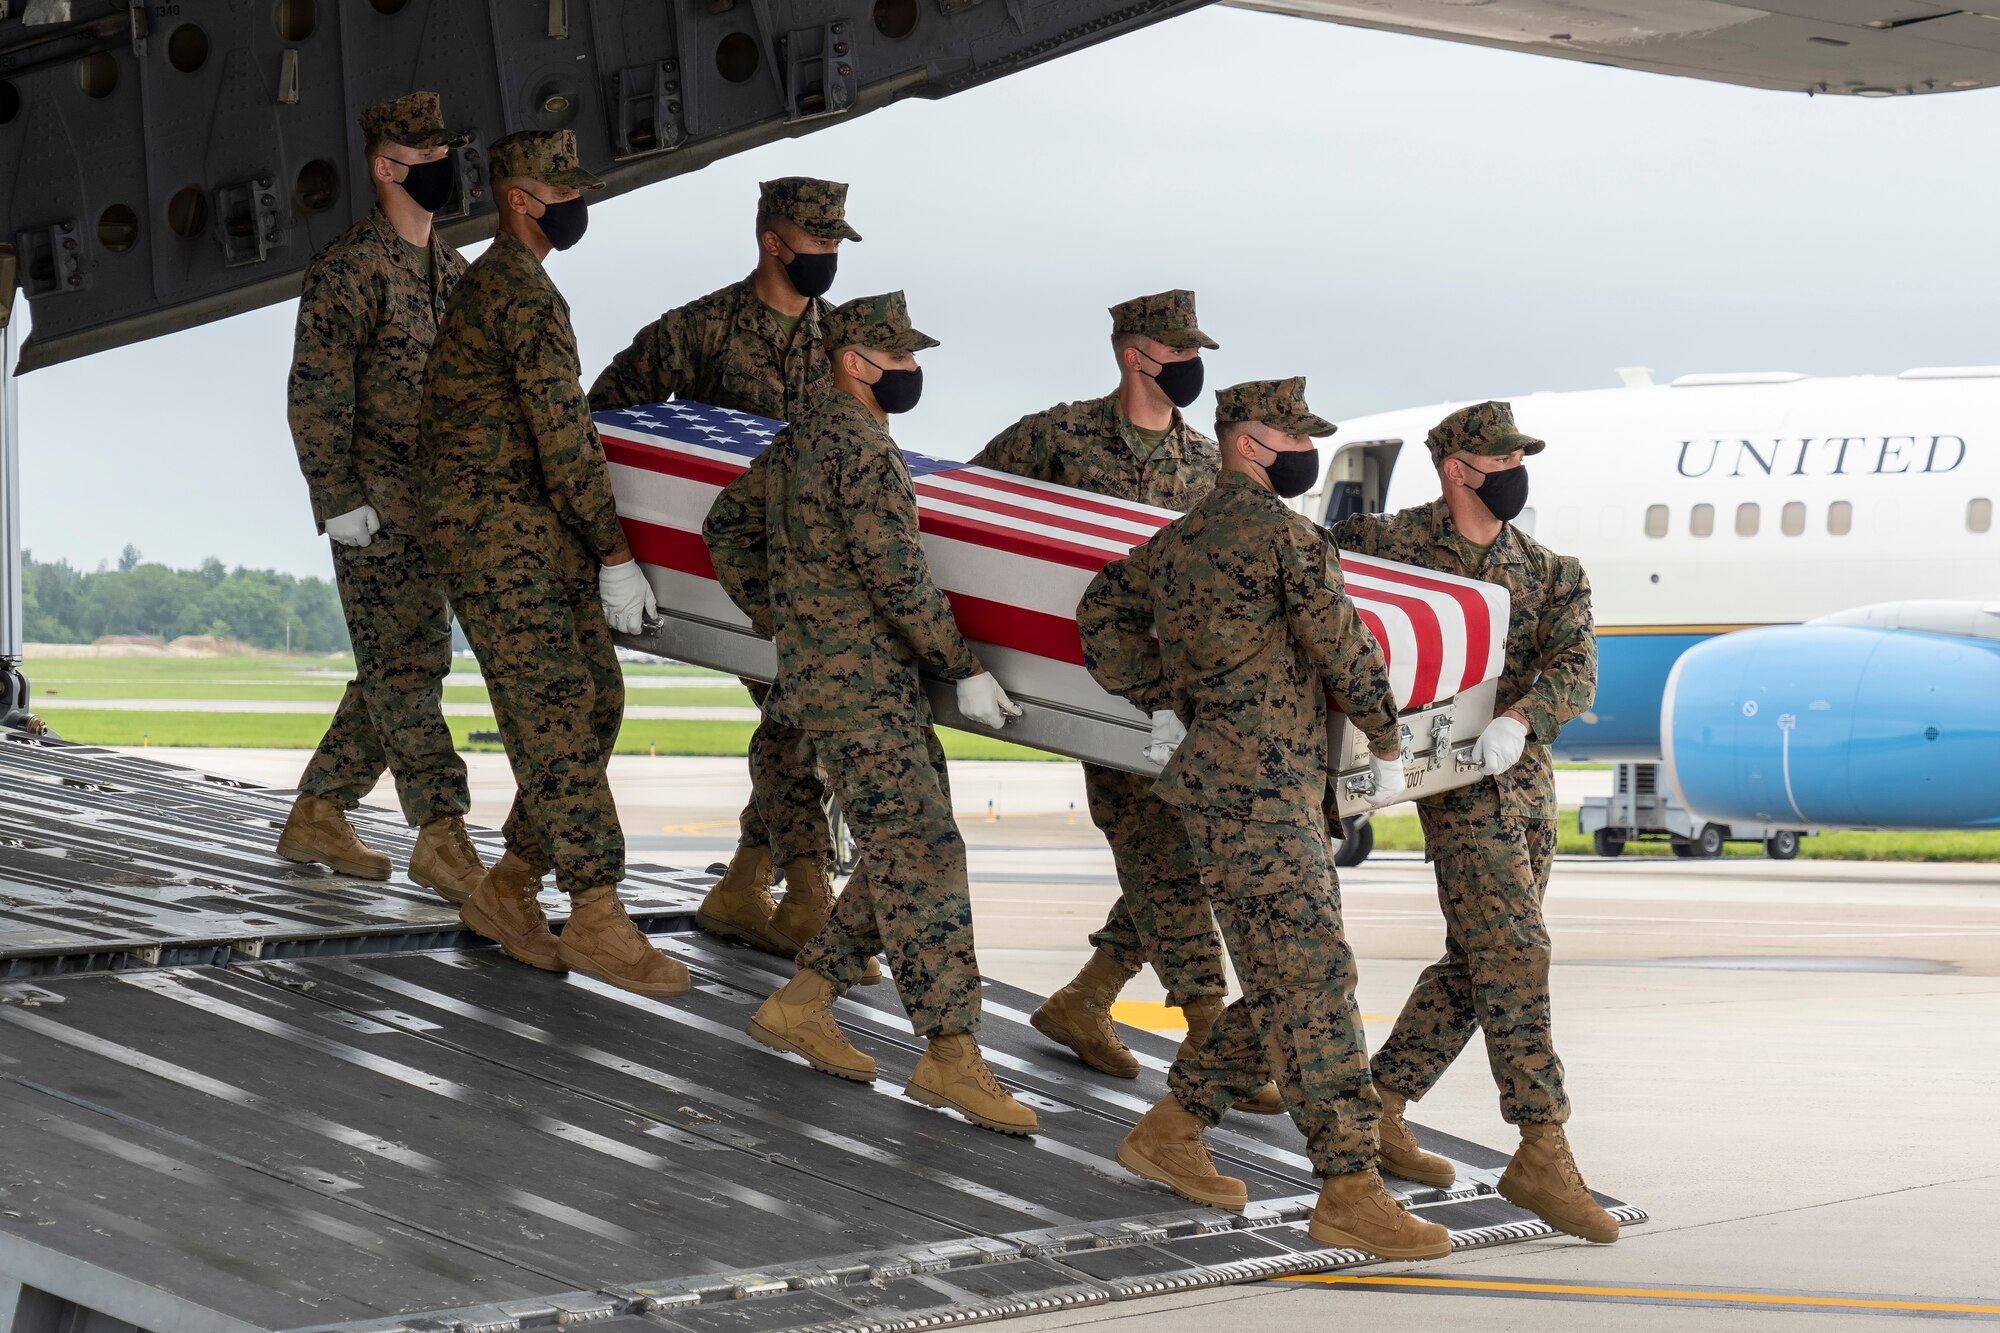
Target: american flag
(1012,555)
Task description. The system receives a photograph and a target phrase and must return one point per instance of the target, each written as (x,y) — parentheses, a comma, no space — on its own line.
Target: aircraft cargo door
(1357,479)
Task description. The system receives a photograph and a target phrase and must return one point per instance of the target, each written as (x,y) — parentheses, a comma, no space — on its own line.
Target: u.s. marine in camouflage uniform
(1254,632)
(1133,444)
(521,523)
(367,317)
(759,346)
(1492,844)
(847,594)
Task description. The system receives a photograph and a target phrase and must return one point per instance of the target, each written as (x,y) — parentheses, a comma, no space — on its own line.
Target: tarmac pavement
(1795,1066)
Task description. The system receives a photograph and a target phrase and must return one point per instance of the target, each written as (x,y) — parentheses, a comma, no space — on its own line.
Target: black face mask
(811,275)
(897,390)
(1293,471)
(1505,493)
(1180,381)
(429,184)
(564,223)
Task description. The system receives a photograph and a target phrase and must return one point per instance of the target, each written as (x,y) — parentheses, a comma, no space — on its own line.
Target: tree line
(260,607)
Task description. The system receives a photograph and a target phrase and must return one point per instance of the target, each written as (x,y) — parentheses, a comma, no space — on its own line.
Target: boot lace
(1566,1163)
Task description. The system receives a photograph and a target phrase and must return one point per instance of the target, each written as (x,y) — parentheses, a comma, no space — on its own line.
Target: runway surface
(1796,1065)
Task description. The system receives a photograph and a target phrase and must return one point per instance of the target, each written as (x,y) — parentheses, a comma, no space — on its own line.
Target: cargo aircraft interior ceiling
(165,165)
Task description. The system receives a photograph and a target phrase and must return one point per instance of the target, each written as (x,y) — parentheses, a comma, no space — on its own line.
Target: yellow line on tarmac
(1750,1298)
(703,827)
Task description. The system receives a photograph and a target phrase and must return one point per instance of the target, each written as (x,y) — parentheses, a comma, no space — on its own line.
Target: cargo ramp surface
(240,1094)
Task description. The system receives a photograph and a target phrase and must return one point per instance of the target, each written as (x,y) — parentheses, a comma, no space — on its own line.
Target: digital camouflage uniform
(1492,844)
(1254,630)
(367,318)
(518,504)
(856,618)
(728,349)
(1162,912)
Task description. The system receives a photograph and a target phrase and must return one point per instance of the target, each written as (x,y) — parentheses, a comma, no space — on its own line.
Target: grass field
(1399,833)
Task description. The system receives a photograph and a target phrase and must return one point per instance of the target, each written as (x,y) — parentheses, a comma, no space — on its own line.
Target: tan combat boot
(808,903)
(1398,1154)
(502,908)
(317,832)
(799,1018)
(953,1075)
(445,861)
(601,941)
(1543,1179)
(1201,1014)
(1079,1016)
(1354,1212)
(1166,1146)
(739,905)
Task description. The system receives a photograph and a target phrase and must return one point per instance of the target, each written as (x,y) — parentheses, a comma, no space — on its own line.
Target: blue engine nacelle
(1836,725)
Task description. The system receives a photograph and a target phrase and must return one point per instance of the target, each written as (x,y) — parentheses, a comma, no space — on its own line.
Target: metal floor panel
(110,861)
(328,1116)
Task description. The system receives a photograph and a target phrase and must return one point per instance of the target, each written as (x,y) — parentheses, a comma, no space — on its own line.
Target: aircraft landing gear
(1357,840)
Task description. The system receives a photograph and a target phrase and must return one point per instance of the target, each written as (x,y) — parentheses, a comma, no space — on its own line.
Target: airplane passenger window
(1656,520)
(1701,520)
(1793,520)
(1840,518)
(1746,520)
(1978,515)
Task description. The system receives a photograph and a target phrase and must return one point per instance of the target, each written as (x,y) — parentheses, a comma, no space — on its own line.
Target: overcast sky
(1402,220)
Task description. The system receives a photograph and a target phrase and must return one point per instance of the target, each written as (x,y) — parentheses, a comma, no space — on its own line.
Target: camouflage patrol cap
(881,322)
(1166,317)
(548,156)
(818,206)
(413,120)
(1280,404)
(1484,428)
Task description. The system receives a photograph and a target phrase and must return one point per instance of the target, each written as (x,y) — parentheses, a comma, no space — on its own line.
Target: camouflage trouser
(559,695)
(910,897)
(1161,916)
(787,806)
(1492,870)
(391,715)
(1297,1021)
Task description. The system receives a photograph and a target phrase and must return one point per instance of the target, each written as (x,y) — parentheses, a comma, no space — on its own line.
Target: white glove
(1499,746)
(1168,733)
(1389,780)
(627,597)
(983,701)
(356,527)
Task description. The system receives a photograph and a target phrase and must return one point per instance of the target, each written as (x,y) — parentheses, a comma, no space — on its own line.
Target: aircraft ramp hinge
(246,220)
(50,259)
(820,78)
(647,108)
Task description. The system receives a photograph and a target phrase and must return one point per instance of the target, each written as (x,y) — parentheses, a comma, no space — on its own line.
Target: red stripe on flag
(671,462)
(1053,518)
(999,481)
(1430,644)
(1473,609)
(1037,632)
(997,538)
(669,548)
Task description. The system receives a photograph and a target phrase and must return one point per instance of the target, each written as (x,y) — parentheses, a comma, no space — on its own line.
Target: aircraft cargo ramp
(239,1094)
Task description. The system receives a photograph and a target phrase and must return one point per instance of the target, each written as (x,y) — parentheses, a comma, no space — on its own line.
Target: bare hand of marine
(355,528)
(1387,773)
(627,596)
(982,700)
(1168,733)
(1499,746)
